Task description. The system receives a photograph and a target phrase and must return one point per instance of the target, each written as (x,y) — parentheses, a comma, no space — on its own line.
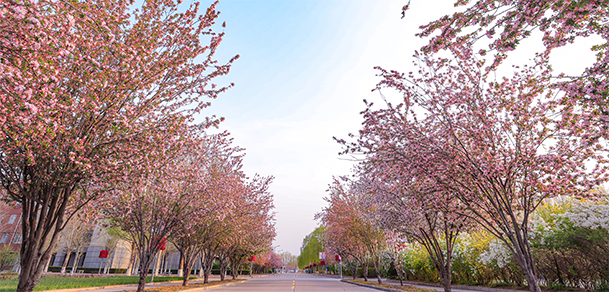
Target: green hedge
(348,272)
(56,269)
(217,272)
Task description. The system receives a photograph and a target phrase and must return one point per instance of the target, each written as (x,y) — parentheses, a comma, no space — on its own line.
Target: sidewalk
(133,287)
(454,287)
(438,287)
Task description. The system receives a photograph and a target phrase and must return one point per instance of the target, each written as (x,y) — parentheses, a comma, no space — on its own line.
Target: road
(294,283)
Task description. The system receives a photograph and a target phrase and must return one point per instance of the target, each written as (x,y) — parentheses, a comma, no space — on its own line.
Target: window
(17,239)
(12,219)
(4,237)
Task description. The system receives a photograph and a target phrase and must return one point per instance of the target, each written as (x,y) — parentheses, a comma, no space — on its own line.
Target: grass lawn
(190,286)
(65,282)
(408,288)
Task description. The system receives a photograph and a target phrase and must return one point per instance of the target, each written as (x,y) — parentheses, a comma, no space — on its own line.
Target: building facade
(88,253)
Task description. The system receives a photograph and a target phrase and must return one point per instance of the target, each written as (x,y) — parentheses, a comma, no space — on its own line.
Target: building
(87,251)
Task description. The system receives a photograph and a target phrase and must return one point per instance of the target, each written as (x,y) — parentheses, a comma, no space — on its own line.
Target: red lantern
(322,263)
(315,265)
(103,254)
(161,245)
(337,258)
(252,258)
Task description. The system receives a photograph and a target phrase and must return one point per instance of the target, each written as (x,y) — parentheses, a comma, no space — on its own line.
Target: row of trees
(468,147)
(201,202)
(99,120)
(77,237)
(568,239)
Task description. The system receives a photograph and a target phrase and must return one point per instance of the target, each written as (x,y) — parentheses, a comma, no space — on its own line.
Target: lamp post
(339,260)
(103,255)
(252,259)
(160,247)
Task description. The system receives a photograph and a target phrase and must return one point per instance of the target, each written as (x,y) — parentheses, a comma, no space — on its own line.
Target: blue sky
(304,70)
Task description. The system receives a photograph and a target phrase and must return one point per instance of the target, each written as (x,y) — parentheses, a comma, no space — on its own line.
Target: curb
(135,286)
(464,287)
(105,287)
(372,287)
(459,287)
(210,287)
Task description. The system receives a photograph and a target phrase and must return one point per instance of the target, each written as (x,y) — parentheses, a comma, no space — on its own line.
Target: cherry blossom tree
(254,224)
(507,23)
(268,260)
(275,260)
(348,227)
(500,147)
(216,169)
(152,208)
(336,236)
(83,86)
(414,206)
(244,225)
(395,247)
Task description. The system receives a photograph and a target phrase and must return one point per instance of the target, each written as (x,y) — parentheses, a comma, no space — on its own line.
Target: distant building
(10,228)
(118,258)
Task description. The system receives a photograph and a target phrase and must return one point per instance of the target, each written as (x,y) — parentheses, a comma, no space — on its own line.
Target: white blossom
(588,214)
(497,252)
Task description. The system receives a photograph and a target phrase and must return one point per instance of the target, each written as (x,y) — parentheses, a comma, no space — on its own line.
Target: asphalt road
(294,283)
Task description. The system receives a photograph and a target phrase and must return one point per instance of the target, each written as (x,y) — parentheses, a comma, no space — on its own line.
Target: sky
(305,67)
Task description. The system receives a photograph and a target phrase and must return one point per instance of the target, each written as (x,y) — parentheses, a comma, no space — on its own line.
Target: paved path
(433,287)
(437,287)
(121,288)
(290,282)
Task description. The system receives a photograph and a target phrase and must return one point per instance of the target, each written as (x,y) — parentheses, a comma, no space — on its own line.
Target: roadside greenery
(310,248)
(66,282)
(569,240)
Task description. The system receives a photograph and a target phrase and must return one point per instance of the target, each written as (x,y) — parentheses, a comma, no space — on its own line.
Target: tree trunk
(208,262)
(532,282)
(446,275)
(377,265)
(136,266)
(223,268)
(399,272)
(234,271)
(365,271)
(145,261)
(75,264)
(206,274)
(157,264)
(201,265)
(355,272)
(187,271)
(42,217)
(46,266)
(180,263)
(132,258)
(524,259)
(66,259)
(142,282)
